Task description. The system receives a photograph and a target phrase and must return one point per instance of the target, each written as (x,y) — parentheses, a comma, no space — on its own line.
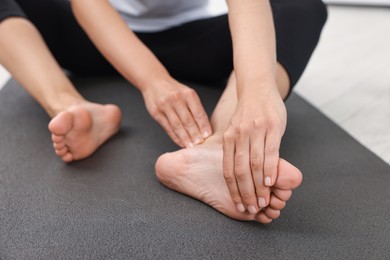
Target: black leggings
(199,51)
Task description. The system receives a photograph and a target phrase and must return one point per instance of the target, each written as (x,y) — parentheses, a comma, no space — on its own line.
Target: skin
(78,126)
(250,142)
(176,107)
(198,172)
(34,67)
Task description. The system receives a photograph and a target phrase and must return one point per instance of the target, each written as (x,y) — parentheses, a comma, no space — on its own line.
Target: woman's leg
(24,54)
(64,37)
(298,25)
(79,127)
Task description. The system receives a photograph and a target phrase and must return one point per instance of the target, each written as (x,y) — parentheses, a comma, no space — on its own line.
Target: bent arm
(176,107)
(116,41)
(251,142)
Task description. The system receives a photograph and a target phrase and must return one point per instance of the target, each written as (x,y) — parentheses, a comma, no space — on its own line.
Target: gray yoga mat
(111,206)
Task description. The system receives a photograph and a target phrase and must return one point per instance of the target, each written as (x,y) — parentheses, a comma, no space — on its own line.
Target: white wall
(219,6)
(364,2)
(4,76)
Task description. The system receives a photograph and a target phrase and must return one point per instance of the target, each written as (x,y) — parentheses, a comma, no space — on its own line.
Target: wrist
(256,89)
(154,80)
(157,83)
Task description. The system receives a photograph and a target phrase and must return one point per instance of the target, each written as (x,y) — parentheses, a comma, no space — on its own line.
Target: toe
(68,157)
(289,177)
(59,146)
(61,152)
(272,213)
(263,218)
(284,195)
(57,138)
(277,203)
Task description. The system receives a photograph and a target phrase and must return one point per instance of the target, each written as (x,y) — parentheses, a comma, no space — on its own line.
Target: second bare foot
(197,172)
(78,131)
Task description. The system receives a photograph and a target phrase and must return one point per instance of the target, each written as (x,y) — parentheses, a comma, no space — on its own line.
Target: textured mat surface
(112,206)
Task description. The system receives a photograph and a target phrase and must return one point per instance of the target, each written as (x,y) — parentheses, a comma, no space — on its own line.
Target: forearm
(252,140)
(118,43)
(254,46)
(25,55)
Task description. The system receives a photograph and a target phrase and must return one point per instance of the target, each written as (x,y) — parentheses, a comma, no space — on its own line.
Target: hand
(251,149)
(177,108)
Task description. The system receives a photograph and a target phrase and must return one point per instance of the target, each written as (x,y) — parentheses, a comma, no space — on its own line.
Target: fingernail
(252,209)
(205,134)
(198,141)
(240,208)
(190,145)
(268,181)
(262,203)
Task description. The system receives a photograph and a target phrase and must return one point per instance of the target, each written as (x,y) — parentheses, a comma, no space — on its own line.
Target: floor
(348,78)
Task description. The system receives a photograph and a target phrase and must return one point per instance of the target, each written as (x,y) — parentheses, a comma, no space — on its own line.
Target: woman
(261,47)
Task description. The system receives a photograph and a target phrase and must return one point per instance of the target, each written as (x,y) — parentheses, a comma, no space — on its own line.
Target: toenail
(252,209)
(205,134)
(190,145)
(262,203)
(240,207)
(268,181)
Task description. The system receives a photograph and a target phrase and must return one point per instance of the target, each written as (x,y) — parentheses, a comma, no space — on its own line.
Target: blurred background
(348,77)
(362,2)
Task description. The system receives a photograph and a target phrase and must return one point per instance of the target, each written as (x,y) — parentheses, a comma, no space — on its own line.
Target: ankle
(62,102)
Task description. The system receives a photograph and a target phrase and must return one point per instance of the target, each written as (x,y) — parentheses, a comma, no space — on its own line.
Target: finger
(163,121)
(263,218)
(277,203)
(200,115)
(272,213)
(188,122)
(228,169)
(257,163)
(284,195)
(242,170)
(271,157)
(178,127)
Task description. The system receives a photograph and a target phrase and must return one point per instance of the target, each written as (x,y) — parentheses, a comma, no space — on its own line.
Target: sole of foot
(197,172)
(78,131)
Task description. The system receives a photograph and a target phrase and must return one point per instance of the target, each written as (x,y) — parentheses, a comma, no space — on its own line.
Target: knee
(318,10)
(315,11)
(299,24)
(306,13)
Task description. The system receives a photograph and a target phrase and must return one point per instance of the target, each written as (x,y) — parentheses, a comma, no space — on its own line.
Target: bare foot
(81,129)
(197,172)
